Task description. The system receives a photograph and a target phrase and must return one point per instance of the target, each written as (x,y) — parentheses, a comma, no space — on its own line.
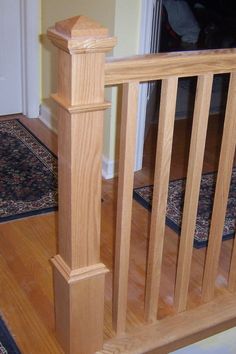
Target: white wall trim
(30,20)
(48,118)
(144,48)
(108,168)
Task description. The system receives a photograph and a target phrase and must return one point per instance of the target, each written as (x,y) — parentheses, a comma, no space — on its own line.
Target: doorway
(10,58)
(19,57)
(149,43)
(182,26)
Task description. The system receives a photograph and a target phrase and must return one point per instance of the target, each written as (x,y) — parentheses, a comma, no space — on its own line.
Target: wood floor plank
(30,268)
(30,333)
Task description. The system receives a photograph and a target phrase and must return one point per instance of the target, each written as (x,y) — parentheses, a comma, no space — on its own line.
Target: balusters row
(160,194)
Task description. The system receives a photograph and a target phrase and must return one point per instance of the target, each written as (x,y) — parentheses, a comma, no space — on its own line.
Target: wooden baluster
(221,193)
(145,68)
(196,155)
(124,203)
(161,181)
(78,274)
(232,271)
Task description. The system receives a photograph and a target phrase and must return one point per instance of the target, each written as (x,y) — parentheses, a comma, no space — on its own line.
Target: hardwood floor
(26,291)
(26,246)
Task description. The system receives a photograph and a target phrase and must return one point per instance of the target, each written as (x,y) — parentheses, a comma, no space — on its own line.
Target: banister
(160,66)
(78,273)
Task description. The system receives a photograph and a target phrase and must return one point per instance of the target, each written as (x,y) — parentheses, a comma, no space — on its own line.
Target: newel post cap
(80,34)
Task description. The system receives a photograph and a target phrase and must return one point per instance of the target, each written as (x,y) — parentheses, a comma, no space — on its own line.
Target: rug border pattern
(12,347)
(172,224)
(44,155)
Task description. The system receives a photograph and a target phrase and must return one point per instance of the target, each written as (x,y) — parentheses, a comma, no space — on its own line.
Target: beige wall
(121,17)
(55,10)
(127,30)
(127,26)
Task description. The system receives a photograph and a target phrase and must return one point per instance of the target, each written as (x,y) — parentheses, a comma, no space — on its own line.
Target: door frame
(30,50)
(144,48)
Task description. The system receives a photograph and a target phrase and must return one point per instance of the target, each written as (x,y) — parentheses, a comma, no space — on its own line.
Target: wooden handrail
(159,66)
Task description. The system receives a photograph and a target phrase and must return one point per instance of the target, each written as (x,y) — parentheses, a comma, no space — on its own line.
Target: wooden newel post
(78,274)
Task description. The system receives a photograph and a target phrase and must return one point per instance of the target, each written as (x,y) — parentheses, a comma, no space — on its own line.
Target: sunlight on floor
(222,343)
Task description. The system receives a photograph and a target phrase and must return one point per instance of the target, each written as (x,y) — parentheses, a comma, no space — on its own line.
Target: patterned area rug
(28,173)
(7,343)
(175,206)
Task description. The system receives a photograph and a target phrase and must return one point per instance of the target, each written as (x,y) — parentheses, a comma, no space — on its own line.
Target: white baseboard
(47,117)
(108,168)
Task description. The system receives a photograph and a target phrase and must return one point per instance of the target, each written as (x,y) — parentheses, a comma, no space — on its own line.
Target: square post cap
(80,34)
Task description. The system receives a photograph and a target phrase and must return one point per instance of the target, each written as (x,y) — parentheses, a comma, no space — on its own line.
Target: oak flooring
(26,246)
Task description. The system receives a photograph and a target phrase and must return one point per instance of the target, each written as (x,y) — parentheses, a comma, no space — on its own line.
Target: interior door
(10,57)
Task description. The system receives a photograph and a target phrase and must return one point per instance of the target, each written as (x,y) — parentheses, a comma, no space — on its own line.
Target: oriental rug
(175,206)
(28,173)
(7,343)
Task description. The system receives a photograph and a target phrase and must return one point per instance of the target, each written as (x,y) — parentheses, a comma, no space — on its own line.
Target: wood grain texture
(152,338)
(160,192)
(221,193)
(80,139)
(78,272)
(26,293)
(80,187)
(232,272)
(196,155)
(80,34)
(84,296)
(27,245)
(80,26)
(86,45)
(90,107)
(88,68)
(124,203)
(154,67)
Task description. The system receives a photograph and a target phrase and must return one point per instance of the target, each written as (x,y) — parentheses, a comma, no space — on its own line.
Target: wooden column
(78,274)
